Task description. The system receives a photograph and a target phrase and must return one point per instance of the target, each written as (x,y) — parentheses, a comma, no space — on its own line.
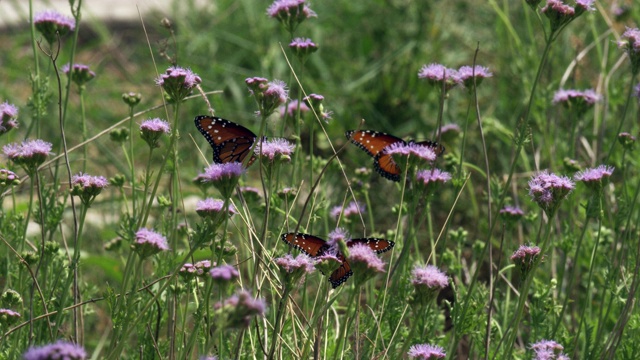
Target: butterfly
(374,142)
(315,246)
(231,142)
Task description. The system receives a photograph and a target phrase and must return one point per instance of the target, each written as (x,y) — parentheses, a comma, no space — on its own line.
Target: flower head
(275,149)
(50,23)
(131,98)
(273,96)
(631,44)
(238,310)
(426,352)
(8,317)
(29,154)
(595,177)
(338,235)
(80,73)
(302,48)
(149,243)
(466,74)
(315,101)
(511,214)
(525,257)
(87,187)
(364,262)
(224,273)
(8,115)
(422,152)
(548,190)
(293,269)
(256,85)
(626,140)
(548,350)
(429,180)
(151,130)
(290,13)
(199,269)
(580,101)
(291,108)
(7,179)
(353,209)
(178,82)
(428,281)
(61,349)
(436,74)
(223,176)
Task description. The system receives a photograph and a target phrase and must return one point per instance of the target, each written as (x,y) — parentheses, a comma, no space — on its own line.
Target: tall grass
(523,230)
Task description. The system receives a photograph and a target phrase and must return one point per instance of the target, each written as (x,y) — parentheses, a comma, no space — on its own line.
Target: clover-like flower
(61,349)
(548,190)
(178,82)
(436,74)
(79,73)
(87,187)
(290,13)
(426,352)
(151,130)
(223,176)
(274,149)
(28,154)
(8,115)
(525,258)
(466,74)
(51,23)
(148,242)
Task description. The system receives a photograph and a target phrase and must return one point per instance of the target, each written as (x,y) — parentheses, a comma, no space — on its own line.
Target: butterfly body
(374,143)
(230,142)
(314,246)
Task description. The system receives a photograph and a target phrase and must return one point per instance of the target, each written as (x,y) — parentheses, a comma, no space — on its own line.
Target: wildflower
(250,193)
(149,243)
(626,140)
(436,74)
(302,48)
(467,73)
(273,96)
(293,269)
(61,349)
(364,262)
(131,98)
(352,209)
(87,187)
(51,23)
(596,178)
(79,73)
(7,179)
(238,310)
(8,115)
(256,85)
(426,352)
(511,214)
(315,101)
(548,350)
(29,154)
(223,273)
(223,176)
(199,269)
(290,13)
(547,190)
(339,235)
(212,208)
(328,261)
(152,129)
(8,317)
(525,257)
(631,45)
(429,180)
(210,357)
(276,149)
(177,82)
(580,101)
(427,281)
(449,132)
(291,108)
(418,154)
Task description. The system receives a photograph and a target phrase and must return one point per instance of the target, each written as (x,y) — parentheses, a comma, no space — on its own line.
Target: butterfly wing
(341,274)
(371,142)
(308,244)
(385,166)
(230,141)
(437,148)
(376,245)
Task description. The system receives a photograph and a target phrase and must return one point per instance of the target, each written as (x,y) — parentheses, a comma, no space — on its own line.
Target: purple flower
(561,14)
(426,352)
(467,73)
(87,187)
(224,273)
(525,257)
(29,153)
(275,149)
(338,235)
(211,208)
(626,140)
(199,269)
(548,350)
(50,22)
(238,310)
(293,269)
(315,102)
(580,101)
(178,82)
(273,96)
(632,45)
(303,47)
(211,357)
(429,180)
(429,276)
(149,243)
(547,190)
(80,73)
(595,178)
(8,317)
(256,85)
(407,149)
(352,209)
(292,108)
(8,115)
(362,258)
(61,349)
(8,178)
(436,74)
(152,129)
(290,13)
(223,176)
(511,213)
